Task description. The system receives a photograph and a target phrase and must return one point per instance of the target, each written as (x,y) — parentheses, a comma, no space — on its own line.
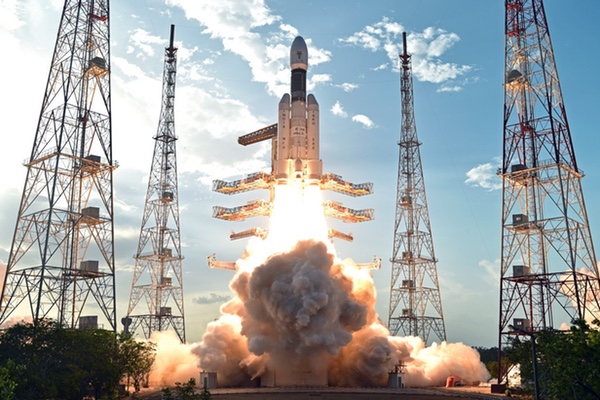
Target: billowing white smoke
(307,308)
(2,274)
(14,319)
(174,361)
(588,293)
(296,307)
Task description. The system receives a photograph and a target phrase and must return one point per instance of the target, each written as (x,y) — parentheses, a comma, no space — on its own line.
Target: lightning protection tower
(157,277)
(548,270)
(61,262)
(415,303)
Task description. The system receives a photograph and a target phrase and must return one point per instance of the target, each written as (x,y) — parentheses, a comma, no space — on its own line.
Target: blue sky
(232,69)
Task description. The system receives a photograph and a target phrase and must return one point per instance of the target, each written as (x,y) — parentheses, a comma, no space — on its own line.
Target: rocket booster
(297,155)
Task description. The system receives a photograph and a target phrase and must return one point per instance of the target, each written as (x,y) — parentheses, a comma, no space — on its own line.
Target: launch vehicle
(297,154)
(295,157)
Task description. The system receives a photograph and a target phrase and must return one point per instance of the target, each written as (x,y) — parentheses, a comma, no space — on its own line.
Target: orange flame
(297,215)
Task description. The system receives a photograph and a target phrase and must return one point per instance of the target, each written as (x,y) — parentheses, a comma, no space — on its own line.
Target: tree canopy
(568,362)
(43,360)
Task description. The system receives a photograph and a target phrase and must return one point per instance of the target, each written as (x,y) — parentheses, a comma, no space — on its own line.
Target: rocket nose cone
(299,54)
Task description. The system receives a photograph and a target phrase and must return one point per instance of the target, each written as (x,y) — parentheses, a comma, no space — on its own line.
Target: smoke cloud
(307,310)
(174,362)
(14,319)
(2,274)
(586,279)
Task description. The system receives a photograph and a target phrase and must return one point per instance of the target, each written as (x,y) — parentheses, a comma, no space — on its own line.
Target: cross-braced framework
(157,277)
(415,302)
(61,262)
(548,269)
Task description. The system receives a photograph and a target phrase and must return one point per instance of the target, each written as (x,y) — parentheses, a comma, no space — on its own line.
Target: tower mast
(157,275)
(61,262)
(548,270)
(415,304)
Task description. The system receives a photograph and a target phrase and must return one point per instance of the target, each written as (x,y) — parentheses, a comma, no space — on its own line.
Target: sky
(233,68)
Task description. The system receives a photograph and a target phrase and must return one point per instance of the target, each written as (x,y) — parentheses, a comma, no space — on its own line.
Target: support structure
(548,272)
(157,277)
(415,307)
(61,262)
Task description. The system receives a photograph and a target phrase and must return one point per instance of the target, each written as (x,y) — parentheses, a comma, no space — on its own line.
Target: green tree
(98,359)
(37,349)
(489,356)
(186,391)
(167,394)
(7,384)
(46,361)
(137,358)
(568,362)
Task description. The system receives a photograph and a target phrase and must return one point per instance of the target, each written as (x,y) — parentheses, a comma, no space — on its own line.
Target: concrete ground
(291,393)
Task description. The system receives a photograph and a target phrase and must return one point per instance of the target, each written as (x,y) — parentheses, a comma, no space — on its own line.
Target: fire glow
(297,215)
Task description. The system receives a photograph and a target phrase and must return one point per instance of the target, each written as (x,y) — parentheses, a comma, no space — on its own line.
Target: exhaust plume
(305,310)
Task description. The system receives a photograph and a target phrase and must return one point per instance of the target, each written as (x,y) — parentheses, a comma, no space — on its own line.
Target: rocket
(297,156)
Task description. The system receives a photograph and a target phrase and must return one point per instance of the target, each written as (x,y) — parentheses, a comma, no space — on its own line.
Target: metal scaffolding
(548,270)
(61,262)
(157,276)
(415,307)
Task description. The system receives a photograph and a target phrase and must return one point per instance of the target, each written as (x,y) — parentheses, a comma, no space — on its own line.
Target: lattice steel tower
(548,268)
(415,303)
(157,277)
(61,262)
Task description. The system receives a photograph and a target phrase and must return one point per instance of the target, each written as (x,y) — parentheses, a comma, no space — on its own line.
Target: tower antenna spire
(157,276)
(415,307)
(172,36)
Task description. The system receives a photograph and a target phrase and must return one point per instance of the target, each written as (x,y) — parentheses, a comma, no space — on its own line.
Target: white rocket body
(298,126)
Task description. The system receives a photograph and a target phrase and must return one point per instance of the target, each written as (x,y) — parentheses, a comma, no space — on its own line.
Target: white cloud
(348,87)
(484,176)
(316,55)
(184,53)
(211,298)
(142,43)
(317,79)
(380,67)
(196,72)
(219,120)
(10,14)
(436,72)
(426,49)
(449,89)
(200,113)
(233,22)
(338,110)
(492,269)
(364,120)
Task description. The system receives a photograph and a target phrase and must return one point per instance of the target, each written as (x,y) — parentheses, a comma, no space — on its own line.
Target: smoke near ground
(301,316)
(2,274)
(305,308)
(174,362)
